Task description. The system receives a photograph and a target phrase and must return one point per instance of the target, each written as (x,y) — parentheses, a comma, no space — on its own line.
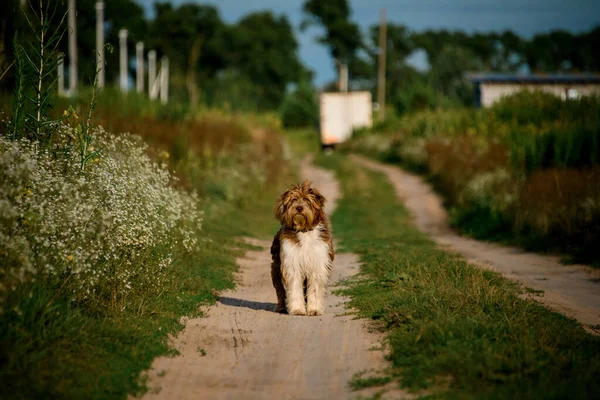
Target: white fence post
(123,60)
(139,67)
(164,80)
(61,75)
(72,13)
(152,78)
(100,43)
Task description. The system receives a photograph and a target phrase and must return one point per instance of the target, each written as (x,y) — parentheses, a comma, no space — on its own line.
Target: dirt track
(253,353)
(573,290)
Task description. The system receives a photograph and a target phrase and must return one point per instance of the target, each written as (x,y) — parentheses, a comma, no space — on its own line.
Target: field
(525,171)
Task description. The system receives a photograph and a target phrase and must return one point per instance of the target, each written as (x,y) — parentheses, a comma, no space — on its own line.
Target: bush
(416,97)
(98,233)
(300,108)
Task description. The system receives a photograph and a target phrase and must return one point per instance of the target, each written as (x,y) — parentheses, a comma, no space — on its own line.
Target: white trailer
(341,113)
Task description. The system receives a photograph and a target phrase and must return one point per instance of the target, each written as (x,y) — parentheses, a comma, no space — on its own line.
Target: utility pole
(381,69)
(72,48)
(100,42)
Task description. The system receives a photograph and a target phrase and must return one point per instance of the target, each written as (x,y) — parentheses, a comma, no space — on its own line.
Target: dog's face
(300,207)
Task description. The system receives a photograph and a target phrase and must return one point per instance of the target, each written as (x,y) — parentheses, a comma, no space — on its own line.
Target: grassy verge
(56,346)
(454,331)
(65,351)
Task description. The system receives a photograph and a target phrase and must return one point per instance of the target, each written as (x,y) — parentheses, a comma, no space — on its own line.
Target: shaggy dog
(302,251)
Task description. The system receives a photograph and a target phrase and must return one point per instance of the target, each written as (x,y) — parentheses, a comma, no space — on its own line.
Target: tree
(10,17)
(263,48)
(509,52)
(550,52)
(190,36)
(341,36)
(448,72)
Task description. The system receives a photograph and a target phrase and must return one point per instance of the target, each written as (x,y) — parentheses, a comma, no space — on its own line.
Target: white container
(343,112)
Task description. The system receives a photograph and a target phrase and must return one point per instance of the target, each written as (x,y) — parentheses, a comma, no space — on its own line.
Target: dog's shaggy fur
(302,251)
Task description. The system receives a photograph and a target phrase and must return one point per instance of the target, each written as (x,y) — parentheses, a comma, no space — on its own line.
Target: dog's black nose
(299,208)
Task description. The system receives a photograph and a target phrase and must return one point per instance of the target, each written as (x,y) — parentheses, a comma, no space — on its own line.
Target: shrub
(300,108)
(94,233)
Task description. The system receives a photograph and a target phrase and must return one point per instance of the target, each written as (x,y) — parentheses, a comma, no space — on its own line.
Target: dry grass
(455,162)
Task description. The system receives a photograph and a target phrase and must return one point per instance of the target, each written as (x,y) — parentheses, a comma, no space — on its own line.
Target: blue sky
(525,17)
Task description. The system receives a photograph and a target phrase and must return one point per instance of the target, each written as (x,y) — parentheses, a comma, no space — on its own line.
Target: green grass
(55,349)
(454,331)
(303,141)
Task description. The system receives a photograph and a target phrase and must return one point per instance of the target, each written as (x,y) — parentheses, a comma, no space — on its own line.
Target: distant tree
(447,73)
(550,51)
(509,52)
(190,35)
(263,48)
(342,36)
(300,108)
(9,21)
(589,50)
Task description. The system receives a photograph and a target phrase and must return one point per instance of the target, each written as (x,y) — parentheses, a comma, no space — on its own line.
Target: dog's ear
(279,210)
(319,198)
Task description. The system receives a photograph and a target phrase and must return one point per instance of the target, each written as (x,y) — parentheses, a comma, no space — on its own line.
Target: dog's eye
(293,200)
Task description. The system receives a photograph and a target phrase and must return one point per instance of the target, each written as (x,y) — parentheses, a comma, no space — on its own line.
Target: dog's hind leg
(279,287)
(276,275)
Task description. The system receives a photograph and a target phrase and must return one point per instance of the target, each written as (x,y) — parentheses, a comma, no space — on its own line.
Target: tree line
(253,62)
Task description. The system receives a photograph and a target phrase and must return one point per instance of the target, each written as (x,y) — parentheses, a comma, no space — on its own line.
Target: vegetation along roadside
(108,238)
(454,331)
(526,171)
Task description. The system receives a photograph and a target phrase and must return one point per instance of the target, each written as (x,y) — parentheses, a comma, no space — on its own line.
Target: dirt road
(244,350)
(573,290)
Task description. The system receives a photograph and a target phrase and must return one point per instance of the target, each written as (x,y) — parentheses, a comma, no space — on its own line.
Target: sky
(524,17)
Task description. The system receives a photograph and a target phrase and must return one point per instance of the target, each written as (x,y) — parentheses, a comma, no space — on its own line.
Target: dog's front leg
(314,295)
(294,293)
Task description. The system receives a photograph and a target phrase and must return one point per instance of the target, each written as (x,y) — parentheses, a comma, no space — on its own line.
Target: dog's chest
(309,251)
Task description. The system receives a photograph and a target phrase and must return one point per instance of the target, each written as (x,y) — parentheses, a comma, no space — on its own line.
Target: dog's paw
(315,312)
(297,311)
(280,309)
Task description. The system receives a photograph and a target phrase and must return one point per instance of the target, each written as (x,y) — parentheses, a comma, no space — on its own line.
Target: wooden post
(164,80)
(72,13)
(381,70)
(139,67)
(152,81)
(343,78)
(100,43)
(123,60)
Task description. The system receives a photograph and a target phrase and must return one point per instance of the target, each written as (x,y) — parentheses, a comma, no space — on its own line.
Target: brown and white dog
(302,251)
